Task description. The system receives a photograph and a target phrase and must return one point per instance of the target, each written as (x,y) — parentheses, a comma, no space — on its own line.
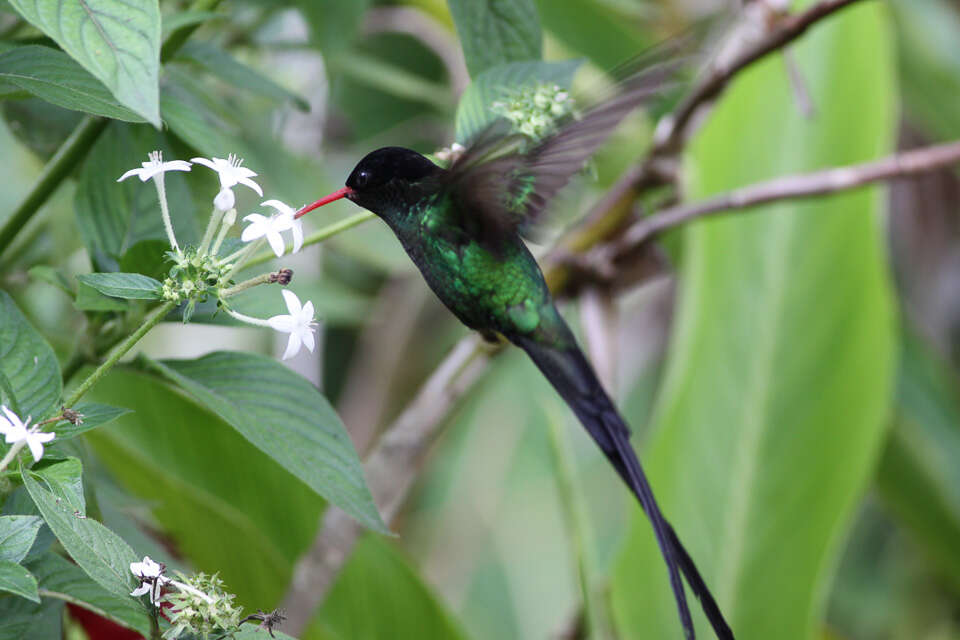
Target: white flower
(296,228)
(231,172)
(271,227)
(155,166)
(151,578)
(17,430)
(299,324)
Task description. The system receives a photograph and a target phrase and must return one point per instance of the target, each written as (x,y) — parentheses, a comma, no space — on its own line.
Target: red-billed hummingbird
(463,227)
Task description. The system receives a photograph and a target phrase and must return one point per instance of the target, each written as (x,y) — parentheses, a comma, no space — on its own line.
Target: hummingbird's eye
(362,179)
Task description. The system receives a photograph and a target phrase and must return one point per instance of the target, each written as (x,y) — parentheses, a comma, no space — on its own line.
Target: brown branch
(788,29)
(390,468)
(804,185)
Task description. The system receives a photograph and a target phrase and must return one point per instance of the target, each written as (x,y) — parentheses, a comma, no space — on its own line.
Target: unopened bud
(282,277)
(225,200)
(71,416)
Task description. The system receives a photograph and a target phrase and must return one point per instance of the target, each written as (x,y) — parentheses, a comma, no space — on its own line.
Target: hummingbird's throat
(336,195)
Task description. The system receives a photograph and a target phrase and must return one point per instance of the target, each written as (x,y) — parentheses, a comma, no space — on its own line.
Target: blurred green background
(791,379)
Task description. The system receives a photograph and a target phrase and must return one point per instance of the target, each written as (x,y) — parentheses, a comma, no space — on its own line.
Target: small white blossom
(16,430)
(151,578)
(231,172)
(296,228)
(155,166)
(262,226)
(299,324)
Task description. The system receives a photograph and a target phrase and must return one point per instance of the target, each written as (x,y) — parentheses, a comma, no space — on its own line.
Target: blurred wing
(510,189)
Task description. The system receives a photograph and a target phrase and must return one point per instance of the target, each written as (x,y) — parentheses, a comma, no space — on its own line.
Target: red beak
(336,195)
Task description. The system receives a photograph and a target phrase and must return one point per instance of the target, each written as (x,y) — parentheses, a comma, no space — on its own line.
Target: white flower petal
(308,339)
(132,172)
(285,324)
(36,448)
(276,242)
(142,589)
(306,313)
(293,346)
(297,231)
(176,165)
(282,207)
(293,302)
(205,162)
(249,183)
(225,200)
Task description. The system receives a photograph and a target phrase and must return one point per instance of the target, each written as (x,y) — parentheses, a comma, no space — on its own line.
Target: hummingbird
(464,228)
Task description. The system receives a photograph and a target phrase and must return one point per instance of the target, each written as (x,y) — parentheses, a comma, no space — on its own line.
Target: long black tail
(570,373)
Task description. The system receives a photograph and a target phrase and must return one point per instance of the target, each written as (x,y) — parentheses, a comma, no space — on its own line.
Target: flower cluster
(200,273)
(535,111)
(18,431)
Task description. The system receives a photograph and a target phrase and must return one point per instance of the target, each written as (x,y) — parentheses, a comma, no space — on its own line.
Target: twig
(806,185)
(390,469)
(791,27)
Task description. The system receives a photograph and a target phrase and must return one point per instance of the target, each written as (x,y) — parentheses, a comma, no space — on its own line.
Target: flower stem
(215,217)
(165,212)
(227,222)
(242,256)
(14,450)
(246,284)
(245,318)
(149,322)
(319,235)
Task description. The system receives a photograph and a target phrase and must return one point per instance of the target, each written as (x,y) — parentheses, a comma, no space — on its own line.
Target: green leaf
(114,217)
(116,41)
(927,34)
(89,299)
(222,64)
(333,24)
(28,362)
(94,415)
(17,534)
(493,32)
(17,580)
(378,595)
(201,478)
(131,286)
(779,376)
(473,113)
(290,421)
(21,619)
(595,29)
(918,475)
(59,578)
(63,478)
(53,76)
(102,554)
(188,18)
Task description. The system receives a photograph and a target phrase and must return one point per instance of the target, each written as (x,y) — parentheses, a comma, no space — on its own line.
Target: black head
(387,181)
(389,177)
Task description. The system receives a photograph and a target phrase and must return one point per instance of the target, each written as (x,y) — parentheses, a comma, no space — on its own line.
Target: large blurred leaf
(28,362)
(102,554)
(780,369)
(55,77)
(378,595)
(928,32)
(289,420)
(919,476)
(333,24)
(593,28)
(473,112)
(201,479)
(113,217)
(225,66)
(61,579)
(116,41)
(496,31)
